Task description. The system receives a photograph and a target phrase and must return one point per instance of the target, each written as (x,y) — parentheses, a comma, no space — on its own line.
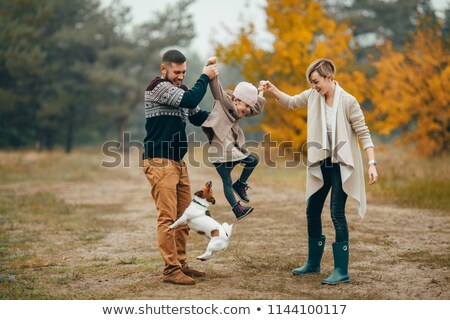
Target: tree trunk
(69,138)
(121,132)
(48,138)
(38,142)
(37,145)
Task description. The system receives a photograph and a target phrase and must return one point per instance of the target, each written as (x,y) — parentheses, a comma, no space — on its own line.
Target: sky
(210,17)
(214,18)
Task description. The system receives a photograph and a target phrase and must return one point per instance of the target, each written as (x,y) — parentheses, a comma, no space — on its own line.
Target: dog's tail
(228,228)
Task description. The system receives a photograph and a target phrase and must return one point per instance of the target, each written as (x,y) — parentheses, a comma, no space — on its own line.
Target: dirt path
(396,253)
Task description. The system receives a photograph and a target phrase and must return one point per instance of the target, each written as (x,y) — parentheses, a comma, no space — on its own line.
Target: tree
(376,21)
(38,86)
(72,69)
(446,27)
(302,33)
(170,27)
(22,57)
(410,92)
(67,100)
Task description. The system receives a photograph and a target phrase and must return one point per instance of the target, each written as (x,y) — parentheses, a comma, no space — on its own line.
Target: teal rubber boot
(340,272)
(315,252)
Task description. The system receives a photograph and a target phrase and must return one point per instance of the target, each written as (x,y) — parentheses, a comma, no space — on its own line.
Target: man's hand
(211,71)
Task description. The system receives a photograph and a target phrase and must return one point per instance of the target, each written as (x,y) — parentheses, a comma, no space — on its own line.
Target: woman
(335,123)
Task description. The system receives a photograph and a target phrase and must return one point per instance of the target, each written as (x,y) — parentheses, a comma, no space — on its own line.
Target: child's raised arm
(259,106)
(217,90)
(215,86)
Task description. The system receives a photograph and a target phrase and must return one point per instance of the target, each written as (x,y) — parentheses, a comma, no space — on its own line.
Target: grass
(405,177)
(418,192)
(34,227)
(433,260)
(410,180)
(70,229)
(29,166)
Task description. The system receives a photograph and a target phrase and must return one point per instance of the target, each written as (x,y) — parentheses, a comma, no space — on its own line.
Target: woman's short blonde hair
(325,67)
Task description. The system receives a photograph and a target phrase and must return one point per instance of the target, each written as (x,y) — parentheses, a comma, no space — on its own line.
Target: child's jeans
(224,169)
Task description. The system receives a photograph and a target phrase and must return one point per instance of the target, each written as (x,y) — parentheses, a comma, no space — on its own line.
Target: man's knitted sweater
(167,108)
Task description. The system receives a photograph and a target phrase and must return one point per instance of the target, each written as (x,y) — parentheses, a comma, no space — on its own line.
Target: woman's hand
(264,85)
(267,86)
(373,175)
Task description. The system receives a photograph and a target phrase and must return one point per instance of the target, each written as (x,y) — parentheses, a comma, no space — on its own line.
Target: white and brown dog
(197,217)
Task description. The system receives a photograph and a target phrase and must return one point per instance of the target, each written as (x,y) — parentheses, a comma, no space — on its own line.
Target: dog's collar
(195,201)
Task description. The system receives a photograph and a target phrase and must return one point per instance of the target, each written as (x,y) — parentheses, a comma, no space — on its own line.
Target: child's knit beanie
(247,93)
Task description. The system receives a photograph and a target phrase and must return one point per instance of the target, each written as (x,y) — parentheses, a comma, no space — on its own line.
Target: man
(168,105)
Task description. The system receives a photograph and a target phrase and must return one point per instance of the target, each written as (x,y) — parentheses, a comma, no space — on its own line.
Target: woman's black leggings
(332,180)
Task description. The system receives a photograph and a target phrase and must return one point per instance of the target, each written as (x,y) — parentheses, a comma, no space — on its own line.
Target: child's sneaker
(240,211)
(240,188)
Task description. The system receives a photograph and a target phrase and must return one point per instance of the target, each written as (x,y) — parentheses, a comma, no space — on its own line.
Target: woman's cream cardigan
(348,124)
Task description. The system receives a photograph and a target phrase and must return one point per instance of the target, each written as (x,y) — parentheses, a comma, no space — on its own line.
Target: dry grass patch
(73,230)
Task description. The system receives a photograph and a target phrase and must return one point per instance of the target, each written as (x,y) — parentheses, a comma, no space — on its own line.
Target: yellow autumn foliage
(411,95)
(302,33)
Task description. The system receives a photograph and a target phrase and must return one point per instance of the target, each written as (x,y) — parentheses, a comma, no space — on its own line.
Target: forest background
(72,80)
(73,74)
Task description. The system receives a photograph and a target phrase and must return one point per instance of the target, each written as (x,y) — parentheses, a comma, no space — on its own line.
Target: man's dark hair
(173,56)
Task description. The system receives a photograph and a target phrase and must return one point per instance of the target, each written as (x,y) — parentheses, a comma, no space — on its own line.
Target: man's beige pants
(172,194)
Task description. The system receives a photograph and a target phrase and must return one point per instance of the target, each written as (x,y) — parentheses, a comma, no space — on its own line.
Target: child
(227,137)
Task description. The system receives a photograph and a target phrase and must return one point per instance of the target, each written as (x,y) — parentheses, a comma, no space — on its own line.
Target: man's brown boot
(179,277)
(193,273)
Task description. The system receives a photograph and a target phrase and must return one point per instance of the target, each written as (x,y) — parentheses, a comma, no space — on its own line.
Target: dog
(197,217)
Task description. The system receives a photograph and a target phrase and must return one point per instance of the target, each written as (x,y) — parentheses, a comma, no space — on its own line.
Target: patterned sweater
(167,109)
